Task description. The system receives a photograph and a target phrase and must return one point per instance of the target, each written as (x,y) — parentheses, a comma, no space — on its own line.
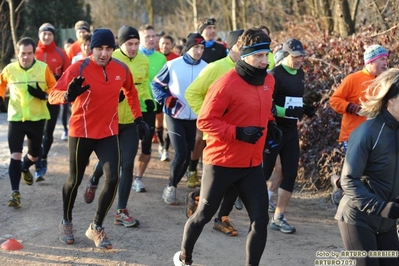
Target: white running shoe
(165,156)
(138,185)
(169,195)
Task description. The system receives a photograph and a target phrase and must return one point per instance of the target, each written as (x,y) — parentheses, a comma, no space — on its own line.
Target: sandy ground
(35,225)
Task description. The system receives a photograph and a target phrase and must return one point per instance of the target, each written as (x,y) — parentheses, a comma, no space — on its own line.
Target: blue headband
(253,49)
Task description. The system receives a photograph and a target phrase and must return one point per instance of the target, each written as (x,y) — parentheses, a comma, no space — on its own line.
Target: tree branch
(385,31)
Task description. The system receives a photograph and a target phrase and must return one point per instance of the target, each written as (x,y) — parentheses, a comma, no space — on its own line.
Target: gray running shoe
(66,232)
(281,225)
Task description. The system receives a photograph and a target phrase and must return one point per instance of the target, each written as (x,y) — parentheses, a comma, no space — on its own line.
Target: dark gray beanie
(126,33)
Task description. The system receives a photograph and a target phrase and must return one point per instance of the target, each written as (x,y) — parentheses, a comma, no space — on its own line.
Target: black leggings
(365,239)
(182,137)
(64,115)
(146,143)
(129,142)
(289,156)
(251,186)
(48,132)
(107,151)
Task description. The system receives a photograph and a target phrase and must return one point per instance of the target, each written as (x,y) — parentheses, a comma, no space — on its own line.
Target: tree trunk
(233,14)
(12,23)
(150,9)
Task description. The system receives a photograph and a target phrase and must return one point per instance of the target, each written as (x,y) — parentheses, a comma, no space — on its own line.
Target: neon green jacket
(157,61)
(196,91)
(22,106)
(139,66)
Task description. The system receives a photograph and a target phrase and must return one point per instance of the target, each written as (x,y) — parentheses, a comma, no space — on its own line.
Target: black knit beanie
(126,33)
(102,37)
(47,27)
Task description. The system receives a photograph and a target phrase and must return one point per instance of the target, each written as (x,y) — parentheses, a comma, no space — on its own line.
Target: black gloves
(353,108)
(391,210)
(142,128)
(37,92)
(309,110)
(121,96)
(150,105)
(294,112)
(75,89)
(249,134)
(274,134)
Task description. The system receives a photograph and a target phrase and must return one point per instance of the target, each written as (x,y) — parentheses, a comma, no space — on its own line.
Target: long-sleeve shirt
(231,102)
(350,91)
(22,106)
(95,112)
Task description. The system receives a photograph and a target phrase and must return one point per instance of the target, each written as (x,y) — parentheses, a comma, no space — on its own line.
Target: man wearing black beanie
(213,50)
(129,41)
(93,87)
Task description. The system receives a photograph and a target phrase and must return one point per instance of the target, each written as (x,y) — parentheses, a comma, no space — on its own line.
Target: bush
(330,59)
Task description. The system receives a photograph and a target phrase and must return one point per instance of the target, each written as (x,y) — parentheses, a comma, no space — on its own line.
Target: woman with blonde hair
(370,177)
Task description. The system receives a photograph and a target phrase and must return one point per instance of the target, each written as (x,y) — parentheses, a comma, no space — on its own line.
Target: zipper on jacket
(105,74)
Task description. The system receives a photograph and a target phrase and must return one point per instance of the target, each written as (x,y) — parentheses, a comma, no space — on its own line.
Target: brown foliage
(330,59)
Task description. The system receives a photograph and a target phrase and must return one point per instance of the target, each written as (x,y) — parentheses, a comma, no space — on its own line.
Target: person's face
(46,37)
(130,47)
(80,33)
(378,66)
(165,46)
(177,50)
(102,55)
(294,62)
(149,39)
(209,32)
(393,107)
(259,60)
(196,51)
(85,48)
(66,45)
(26,56)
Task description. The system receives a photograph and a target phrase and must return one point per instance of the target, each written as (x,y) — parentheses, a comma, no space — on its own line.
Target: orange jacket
(73,50)
(350,91)
(232,102)
(95,112)
(54,57)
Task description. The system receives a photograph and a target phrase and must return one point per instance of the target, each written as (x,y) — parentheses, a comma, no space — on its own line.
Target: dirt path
(160,232)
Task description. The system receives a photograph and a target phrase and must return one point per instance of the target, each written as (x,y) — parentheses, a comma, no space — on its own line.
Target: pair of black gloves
(252,134)
(75,89)
(298,111)
(150,106)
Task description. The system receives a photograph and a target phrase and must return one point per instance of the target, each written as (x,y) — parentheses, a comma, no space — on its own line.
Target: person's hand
(274,134)
(249,134)
(37,92)
(171,102)
(353,108)
(142,128)
(149,105)
(297,112)
(121,96)
(391,210)
(75,89)
(309,110)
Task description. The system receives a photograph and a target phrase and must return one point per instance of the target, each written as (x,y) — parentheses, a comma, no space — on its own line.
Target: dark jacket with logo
(370,176)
